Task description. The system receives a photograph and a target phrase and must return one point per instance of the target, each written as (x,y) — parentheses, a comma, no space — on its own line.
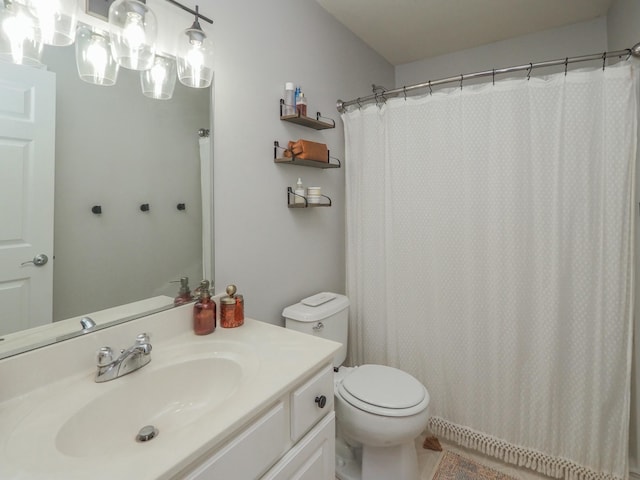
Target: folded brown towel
(432,443)
(307,150)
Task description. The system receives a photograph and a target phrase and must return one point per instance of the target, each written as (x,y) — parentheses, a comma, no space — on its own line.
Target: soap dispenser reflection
(184,295)
(204,311)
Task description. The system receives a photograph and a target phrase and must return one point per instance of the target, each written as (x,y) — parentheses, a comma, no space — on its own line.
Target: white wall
(623,31)
(578,39)
(623,24)
(274,254)
(117,148)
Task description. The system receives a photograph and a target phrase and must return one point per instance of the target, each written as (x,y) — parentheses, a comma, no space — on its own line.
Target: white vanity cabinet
(294,438)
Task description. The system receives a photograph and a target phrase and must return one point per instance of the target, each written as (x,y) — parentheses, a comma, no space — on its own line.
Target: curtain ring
(494,77)
(359,104)
(404,89)
(529,71)
(430,89)
(566,65)
(604,59)
(461,78)
(628,53)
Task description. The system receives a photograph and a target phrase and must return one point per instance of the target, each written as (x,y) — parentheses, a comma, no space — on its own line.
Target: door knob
(39,260)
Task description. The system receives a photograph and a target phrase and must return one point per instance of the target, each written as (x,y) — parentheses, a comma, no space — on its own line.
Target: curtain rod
(342,106)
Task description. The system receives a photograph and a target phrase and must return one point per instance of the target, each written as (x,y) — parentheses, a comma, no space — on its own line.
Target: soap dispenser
(231,309)
(204,311)
(184,295)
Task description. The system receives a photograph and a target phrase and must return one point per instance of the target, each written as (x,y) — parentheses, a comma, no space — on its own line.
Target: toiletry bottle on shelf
(301,105)
(296,96)
(204,311)
(184,295)
(299,192)
(289,107)
(231,309)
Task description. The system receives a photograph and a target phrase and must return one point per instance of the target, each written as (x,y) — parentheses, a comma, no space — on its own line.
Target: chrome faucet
(133,358)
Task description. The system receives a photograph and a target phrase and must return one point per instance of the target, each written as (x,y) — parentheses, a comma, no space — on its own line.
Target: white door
(27,157)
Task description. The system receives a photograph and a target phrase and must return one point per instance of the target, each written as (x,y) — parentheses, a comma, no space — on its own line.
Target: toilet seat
(383,390)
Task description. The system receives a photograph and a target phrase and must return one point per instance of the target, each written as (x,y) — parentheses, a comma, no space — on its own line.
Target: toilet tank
(324,315)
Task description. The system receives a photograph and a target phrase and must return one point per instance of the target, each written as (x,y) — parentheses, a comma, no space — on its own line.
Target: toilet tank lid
(307,313)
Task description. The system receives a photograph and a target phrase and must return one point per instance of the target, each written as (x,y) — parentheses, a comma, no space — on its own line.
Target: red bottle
(204,311)
(231,309)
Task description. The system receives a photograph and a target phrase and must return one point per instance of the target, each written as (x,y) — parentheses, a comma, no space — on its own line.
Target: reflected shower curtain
(206,189)
(489,254)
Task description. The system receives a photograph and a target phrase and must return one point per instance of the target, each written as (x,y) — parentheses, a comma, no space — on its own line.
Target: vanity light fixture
(20,37)
(195,56)
(133,27)
(160,80)
(95,63)
(57,20)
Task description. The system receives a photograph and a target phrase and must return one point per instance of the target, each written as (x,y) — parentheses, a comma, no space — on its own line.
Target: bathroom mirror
(119,150)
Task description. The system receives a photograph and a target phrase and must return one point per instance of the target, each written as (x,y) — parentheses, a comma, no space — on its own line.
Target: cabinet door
(313,458)
(306,408)
(251,453)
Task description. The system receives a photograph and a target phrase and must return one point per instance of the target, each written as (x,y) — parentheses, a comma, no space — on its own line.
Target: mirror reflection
(127,217)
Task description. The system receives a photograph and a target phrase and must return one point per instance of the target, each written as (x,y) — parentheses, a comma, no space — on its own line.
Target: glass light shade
(93,57)
(57,20)
(20,40)
(195,58)
(160,80)
(133,28)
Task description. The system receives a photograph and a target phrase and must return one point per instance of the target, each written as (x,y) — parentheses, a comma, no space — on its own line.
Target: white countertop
(41,390)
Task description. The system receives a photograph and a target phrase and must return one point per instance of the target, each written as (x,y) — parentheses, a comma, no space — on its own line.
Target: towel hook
(566,65)
(529,71)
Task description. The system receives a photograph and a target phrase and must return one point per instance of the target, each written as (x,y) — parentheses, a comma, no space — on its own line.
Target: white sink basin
(181,385)
(169,398)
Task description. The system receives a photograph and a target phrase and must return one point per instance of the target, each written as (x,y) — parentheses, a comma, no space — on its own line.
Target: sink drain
(146,433)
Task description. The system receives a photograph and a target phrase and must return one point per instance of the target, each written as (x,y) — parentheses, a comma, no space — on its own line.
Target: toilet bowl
(380,410)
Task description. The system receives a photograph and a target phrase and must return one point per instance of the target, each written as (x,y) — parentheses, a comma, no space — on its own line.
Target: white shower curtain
(490,252)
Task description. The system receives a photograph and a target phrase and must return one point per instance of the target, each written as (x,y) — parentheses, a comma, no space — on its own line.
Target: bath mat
(456,467)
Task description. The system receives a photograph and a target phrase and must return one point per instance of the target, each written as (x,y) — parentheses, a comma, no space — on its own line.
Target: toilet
(380,410)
